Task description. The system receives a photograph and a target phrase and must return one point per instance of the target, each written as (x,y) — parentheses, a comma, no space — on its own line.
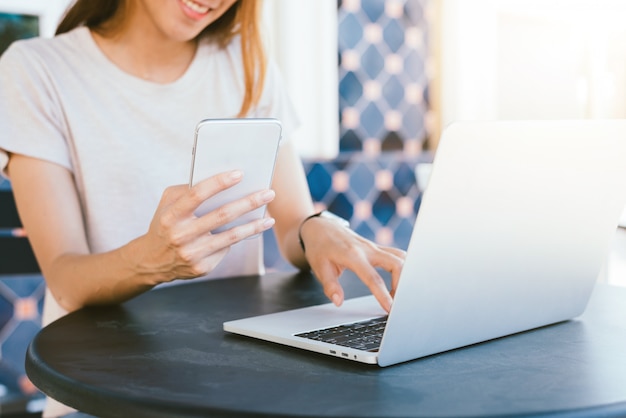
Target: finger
(204,253)
(209,263)
(329,278)
(223,239)
(368,274)
(194,229)
(391,260)
(196,263)
(395,270)
(395,251)
(233,210)
(206,189)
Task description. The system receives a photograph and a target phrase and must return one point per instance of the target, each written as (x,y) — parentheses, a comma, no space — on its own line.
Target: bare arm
(177,245)
(292,204)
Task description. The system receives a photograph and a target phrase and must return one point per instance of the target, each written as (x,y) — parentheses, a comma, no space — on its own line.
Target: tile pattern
(383,80)
(21,307)
(21,295)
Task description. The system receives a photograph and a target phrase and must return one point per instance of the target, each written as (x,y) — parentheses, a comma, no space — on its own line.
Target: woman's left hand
(332,248)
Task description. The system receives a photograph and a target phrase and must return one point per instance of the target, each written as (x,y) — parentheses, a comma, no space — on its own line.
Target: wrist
(323,215)
(141,266)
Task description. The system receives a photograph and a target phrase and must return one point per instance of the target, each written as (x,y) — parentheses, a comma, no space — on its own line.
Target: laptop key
(363,335)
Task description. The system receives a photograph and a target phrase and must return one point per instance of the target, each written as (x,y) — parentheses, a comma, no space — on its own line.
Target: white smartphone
(249,145)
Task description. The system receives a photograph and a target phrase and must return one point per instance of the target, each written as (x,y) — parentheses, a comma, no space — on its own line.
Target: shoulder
(44,49)
(20,51)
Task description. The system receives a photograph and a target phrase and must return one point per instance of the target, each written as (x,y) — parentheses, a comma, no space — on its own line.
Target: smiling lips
(196,7)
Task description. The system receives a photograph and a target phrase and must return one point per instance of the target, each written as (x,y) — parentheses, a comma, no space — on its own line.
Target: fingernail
(268,222)
(336,299)
(268,195)
(236,174)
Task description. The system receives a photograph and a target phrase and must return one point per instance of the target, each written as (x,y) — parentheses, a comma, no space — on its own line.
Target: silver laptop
(513,230)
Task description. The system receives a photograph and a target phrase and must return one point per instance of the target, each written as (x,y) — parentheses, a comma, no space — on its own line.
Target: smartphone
(250,145)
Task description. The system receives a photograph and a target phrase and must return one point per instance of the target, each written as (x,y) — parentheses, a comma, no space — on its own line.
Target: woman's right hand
(177,245)
(180,245)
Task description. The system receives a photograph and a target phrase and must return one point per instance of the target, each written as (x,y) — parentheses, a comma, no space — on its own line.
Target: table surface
(165,354)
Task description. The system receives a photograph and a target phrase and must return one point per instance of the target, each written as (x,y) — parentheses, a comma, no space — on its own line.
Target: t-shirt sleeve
(275,102)
(30,115)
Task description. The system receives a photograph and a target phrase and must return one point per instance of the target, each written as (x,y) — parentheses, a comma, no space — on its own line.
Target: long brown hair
(243,19)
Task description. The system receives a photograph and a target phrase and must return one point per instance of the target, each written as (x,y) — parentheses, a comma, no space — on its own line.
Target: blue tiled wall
(383,80)
(21,305)
(21,296)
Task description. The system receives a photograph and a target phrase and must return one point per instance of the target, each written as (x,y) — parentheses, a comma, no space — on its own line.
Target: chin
(183,33)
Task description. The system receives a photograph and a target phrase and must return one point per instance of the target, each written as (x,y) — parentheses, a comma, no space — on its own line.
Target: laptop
(514,227)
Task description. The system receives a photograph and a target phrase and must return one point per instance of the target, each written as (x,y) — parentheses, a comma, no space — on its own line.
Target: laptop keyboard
(365,335)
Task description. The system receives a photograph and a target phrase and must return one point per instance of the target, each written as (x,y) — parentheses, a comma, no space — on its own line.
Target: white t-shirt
(124,139)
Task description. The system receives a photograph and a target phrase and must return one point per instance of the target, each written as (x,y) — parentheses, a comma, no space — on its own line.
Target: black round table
(164,354)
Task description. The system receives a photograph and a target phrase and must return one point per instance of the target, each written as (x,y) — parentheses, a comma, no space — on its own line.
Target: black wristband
(323,214)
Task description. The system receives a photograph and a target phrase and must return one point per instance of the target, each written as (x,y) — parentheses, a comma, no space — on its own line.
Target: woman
(97,132)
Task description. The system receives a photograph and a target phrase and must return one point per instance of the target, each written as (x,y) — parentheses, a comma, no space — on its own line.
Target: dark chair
(22,289)
(16,255)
